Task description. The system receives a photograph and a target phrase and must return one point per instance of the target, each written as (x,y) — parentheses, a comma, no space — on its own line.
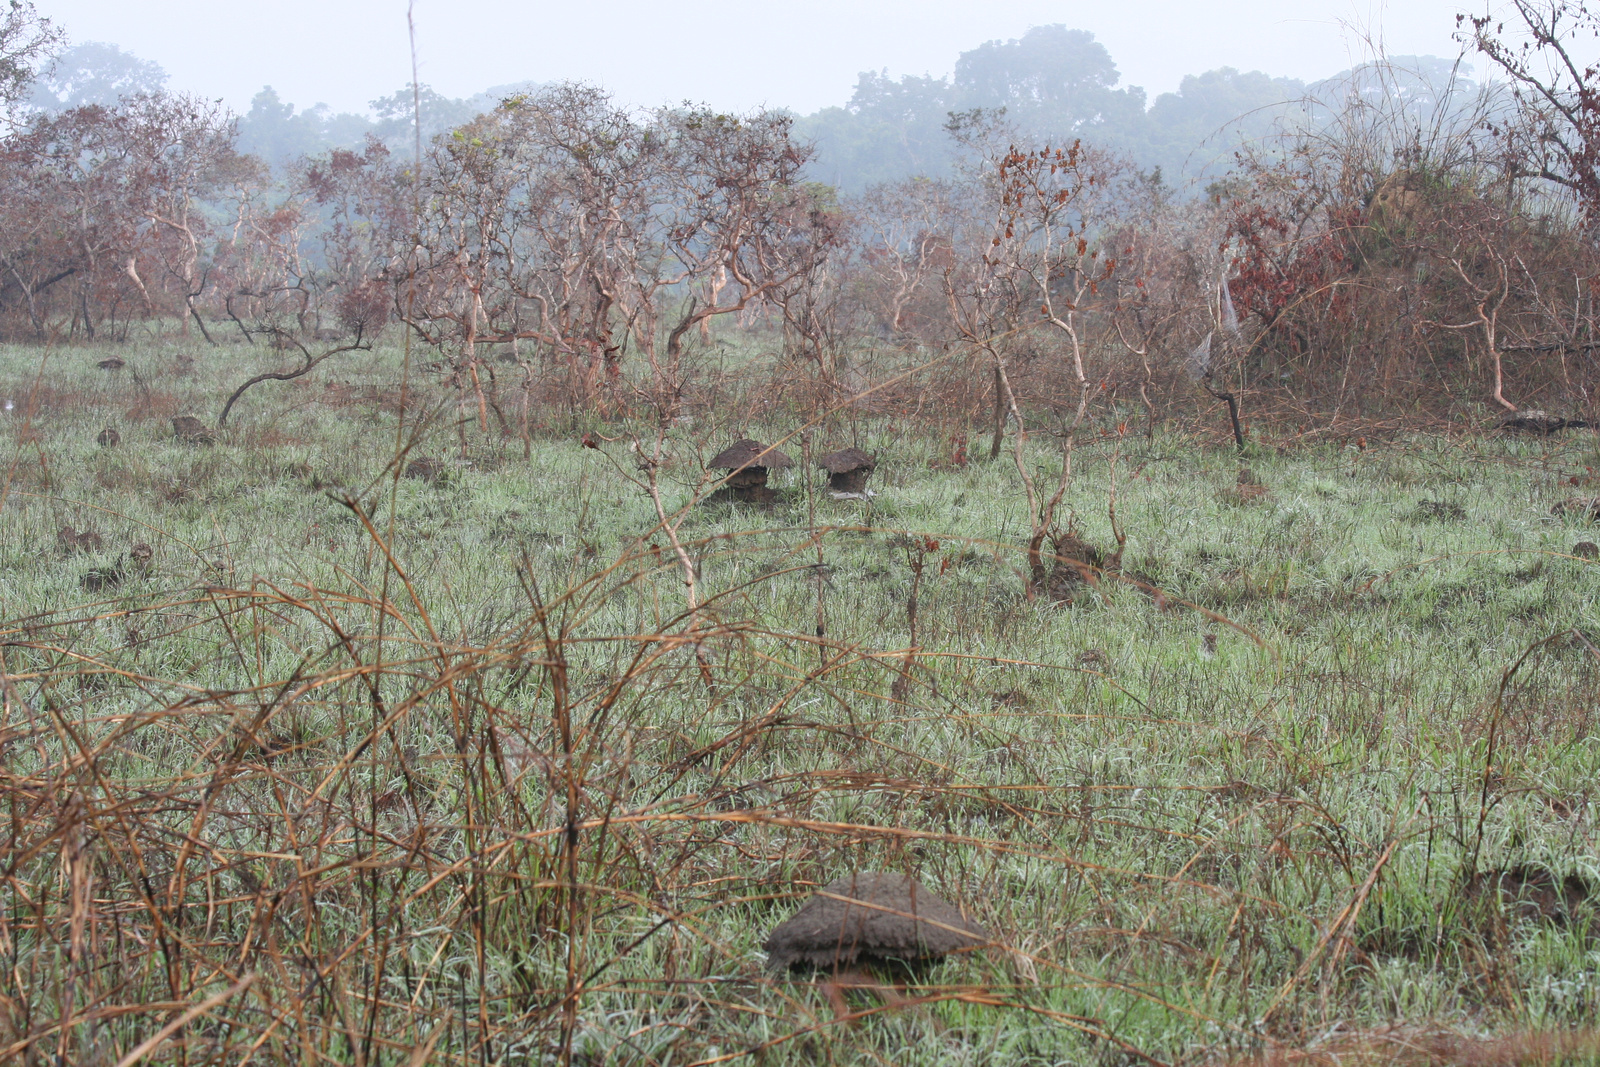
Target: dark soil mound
(848,469)
(71,540)
(1582,508)
(847,459)
(191,431)
(100,579)
(1527,893)
(427,470)
(872,918)
(1439,511)
(1077,566)
(749,461)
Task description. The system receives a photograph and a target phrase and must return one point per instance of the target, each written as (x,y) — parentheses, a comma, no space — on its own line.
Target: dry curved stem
(307,365)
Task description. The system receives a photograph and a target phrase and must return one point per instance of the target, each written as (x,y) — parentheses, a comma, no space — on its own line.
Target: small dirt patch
(1246,489)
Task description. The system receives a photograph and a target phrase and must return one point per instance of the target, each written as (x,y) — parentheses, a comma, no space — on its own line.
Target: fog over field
(874,83)
(729,56)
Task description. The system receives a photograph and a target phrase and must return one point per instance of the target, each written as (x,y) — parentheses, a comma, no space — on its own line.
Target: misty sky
(803,55)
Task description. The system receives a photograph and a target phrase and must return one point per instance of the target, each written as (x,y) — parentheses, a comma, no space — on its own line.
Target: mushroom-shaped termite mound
(848,470)
(749,461)
(871,918)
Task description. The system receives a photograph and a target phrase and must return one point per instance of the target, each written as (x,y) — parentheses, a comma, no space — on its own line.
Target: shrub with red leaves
(1276,264)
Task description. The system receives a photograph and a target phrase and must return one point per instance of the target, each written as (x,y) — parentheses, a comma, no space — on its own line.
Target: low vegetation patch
(368,735)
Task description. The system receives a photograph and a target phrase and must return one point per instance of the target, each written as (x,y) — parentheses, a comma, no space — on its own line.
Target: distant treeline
(272,129)
(1053,84)
(1059,85)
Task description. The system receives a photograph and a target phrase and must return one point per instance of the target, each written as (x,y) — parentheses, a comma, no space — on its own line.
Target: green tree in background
(279,135)
(1194,131)
(1054,81)
(1053,84)
(95,73)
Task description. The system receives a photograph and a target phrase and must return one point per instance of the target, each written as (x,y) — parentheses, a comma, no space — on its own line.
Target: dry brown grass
(1412,1047)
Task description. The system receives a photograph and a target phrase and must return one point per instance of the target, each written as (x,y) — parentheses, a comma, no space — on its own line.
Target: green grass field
(452,775)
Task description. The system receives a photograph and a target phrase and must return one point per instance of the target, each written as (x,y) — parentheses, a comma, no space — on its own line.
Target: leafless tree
(902,242)
(561,219)
(1042,266)
(1554,132)
(111,198)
